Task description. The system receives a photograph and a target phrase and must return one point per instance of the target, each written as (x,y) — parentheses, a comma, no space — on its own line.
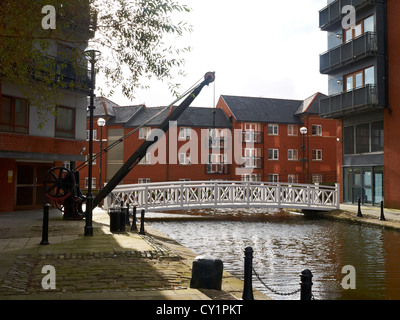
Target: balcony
(252,137)
(251,162)
(217,168)
(332,13)
(62,72)
(351,102)
(347,53)
(218,143)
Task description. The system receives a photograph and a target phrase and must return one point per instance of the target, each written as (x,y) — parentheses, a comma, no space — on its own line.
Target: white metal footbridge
(186,195)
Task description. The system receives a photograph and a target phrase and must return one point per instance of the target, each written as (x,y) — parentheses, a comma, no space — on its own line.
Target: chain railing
(305,280)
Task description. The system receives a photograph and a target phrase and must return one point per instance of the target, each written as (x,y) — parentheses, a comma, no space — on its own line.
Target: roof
(123,114)
(252,109)
(191,117)
(311,104)
(103,107)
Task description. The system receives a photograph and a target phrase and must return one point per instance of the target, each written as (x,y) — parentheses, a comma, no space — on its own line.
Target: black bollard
(305,285)
(142,222)
(127,215)
(45,229)
(248,271)
(382,217)
(134,227)
(359,214)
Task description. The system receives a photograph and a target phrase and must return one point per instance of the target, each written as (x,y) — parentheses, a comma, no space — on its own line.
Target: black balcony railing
(332,13)
(251,162)
(346,103)
(252,136)
(62,72)
(346,53)
(217,168)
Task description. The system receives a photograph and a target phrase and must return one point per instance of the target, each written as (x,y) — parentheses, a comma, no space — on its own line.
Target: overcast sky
(258,48)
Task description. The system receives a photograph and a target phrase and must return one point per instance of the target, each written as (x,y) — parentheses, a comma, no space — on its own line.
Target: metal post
(305,285)
(89,198)
(134,227)
(248,271)
(127,215)
(359,214)
(45,230)
(142,222)
(101,155)
(382,217)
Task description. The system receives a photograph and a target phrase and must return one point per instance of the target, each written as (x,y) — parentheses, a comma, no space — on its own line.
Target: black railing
(252,136)
(345,103)
(349,52)
(60,71)
(217,168)
(332,13)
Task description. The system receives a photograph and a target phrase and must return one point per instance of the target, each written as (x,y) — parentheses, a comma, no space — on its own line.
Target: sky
(257,48)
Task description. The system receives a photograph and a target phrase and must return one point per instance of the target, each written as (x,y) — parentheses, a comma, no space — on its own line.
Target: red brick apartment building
(243,138)
(363,65)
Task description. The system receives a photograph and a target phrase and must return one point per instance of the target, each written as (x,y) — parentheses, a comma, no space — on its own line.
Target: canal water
(285,243)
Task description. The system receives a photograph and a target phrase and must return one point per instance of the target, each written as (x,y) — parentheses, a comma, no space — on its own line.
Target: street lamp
(92,55)
(303,131)
(101,123)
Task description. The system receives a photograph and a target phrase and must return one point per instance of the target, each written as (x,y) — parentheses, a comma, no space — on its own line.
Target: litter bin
(115,217)
(122,219)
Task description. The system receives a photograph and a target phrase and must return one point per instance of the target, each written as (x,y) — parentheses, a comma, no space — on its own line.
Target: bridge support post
(134,227)
(45,229)
(248,271)
(142,222)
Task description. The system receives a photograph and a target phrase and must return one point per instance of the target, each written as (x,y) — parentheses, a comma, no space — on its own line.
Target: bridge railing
(185,195)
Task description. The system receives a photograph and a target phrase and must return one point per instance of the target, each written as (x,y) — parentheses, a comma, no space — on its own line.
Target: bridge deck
(185,195)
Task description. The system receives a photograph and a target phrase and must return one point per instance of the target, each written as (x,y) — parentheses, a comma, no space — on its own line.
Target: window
(362,138)
(88,135)
(93,160)
(144,180)
(316,178)
(366,25)
(292,154)
(360,79)
(87,183)
(348,140)
(65,122)
(273,129)
(292,130)
(146,159)
(14,115)
(184,133)
(377,136)
(292,178)
(272,177)
(316,130)
(251,177)
(249,126)
(273,154)
(317,154)
(184,158)
(144,132)
(252,152)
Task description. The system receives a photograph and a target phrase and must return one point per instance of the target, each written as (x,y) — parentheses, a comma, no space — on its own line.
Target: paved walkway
(106,266)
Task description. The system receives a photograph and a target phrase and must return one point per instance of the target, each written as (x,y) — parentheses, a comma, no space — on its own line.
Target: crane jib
(142,150)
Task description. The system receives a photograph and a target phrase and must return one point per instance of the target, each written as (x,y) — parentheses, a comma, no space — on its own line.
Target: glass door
(367,186)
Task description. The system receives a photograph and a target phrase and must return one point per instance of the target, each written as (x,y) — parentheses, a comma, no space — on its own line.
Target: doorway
(29,188)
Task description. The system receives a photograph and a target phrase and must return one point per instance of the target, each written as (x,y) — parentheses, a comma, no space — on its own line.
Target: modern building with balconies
(357,69)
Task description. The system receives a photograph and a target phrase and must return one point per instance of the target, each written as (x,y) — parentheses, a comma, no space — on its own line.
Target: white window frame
(273,177)
(275,154)
(317,155)
(293,130)
(293,154)
(316,178)
(316,130)
(185,133)
(146,159)
(87,183)
(274,129)
(184,159)
(293,178)
(144,132)
(94,135)
(144,180)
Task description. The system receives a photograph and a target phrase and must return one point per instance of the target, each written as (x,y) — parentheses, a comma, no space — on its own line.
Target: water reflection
(286,243)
